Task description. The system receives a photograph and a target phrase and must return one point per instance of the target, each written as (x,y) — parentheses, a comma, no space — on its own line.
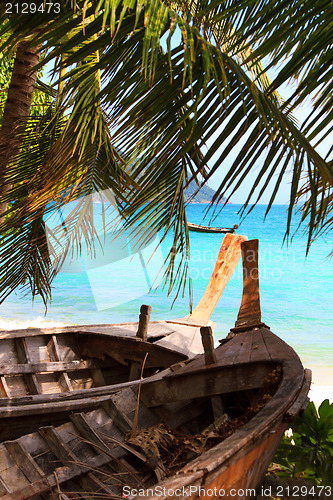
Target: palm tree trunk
(18,104)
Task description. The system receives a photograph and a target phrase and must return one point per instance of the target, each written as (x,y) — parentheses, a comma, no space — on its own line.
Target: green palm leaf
(169,111)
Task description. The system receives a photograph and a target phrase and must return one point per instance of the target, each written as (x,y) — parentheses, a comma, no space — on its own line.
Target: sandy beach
(319,393)
(322,384)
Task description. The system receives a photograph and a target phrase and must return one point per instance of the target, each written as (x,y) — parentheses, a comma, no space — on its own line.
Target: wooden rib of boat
(170,436)
(47,373)
(208,229)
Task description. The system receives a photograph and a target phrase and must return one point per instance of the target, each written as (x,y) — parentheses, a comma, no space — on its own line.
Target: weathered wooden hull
(46,374)
(235,467)
(90,452)
(207,229)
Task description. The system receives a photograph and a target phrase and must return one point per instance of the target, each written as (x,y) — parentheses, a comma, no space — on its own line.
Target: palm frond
(296,36)
(168,112)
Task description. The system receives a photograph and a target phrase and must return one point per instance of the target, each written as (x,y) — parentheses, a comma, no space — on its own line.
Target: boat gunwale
(95,392)
(265,417)
(22,332)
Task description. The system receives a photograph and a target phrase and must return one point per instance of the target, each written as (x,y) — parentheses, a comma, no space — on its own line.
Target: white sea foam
(39,322)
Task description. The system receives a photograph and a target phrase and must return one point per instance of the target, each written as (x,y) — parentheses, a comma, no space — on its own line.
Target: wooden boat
(208,229)
(171,436)
(47,373)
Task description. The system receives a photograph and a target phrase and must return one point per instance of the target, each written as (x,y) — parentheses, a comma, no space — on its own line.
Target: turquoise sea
(296,291)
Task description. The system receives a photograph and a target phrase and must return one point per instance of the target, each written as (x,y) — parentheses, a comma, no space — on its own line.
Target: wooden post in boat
(142,333)
(207,338)
(144,317)
(226,263)
(249,315)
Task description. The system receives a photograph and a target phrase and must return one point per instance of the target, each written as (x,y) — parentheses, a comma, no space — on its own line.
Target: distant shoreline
(208,202)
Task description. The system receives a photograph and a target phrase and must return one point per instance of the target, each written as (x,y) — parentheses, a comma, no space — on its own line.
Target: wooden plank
(90,481)
(225,356)
(64,474)
(64,380)
(227,260)
(217,406)
(98,377)
(66,455)
(54,353)
(11,475)
(125,349)
(4,488)
(57,445)
(209,382)
(21,349)
(135,371)
(125,329)
(53,349)
(81,380)
(17,387)
(208,344)
(60,407)
(302,400)
(24,461)
(227,353)
(238,350)
(65,383)
(82,424)
(259,349)
(210,359)
(250,313)
(278,350)
(142,333)
(37,350)
(8,352)
(51,367)
(5,393)
(74,400)
(180,416)
(49,383)
(67,397)
(23,356)
(244,347)
(119,418)
(68,346)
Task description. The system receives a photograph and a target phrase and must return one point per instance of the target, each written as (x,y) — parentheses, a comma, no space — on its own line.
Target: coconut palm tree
(18,103)
(149,92)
